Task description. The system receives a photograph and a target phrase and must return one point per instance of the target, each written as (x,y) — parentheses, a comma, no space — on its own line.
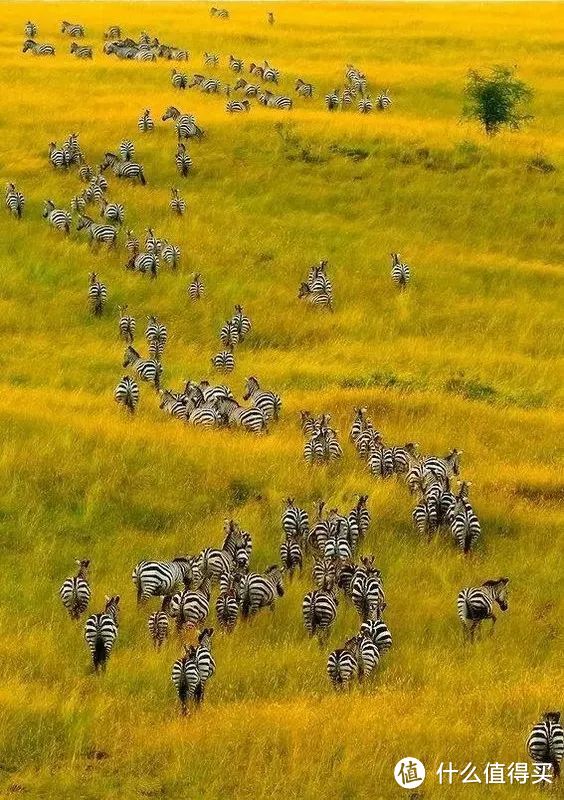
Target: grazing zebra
(236,106)
(143,263)
(400,272)
(464,524)
(236,64)
(178,79)
(124,169)
(249,89)
(379,632)
(15,200)
(156,335)
(75,592)
(295,520)
(368,656)
(186,679)
(113,32)
(76,31)
(182,160)
(101,631)
(126,150)
(97,294)
(174,405)
(250,419)
(58,156)
(38,49)
(99,234)
(57,217)
(220,13)
(342,664)
(303,89)
(211,60)
(207,85)
(170,254)
(177,204)
(259,591)
(158,623)
(383,101)
(268,402)
(132,243)
(126,393)
(317,299)
(332,100)
(30,30)
(223,361)
(545,744)
(154,578)
(148,370)
(145,123)
(112,211)
(185,123)
(291,554)
(319,610)
(191,607)
(475,604)
(196,287)
(270,100)
(227,609)
(80,51)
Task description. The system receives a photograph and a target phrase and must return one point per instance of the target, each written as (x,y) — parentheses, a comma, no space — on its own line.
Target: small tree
(495,100)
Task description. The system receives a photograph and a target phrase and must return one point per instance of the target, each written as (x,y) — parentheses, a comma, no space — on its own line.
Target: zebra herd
(317,289)
(322,445)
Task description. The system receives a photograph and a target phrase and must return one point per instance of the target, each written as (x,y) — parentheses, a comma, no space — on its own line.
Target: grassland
(468,357)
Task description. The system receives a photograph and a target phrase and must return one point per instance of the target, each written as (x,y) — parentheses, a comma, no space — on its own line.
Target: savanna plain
(468,356)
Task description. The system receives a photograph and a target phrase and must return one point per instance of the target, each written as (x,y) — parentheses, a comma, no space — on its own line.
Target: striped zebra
(236,64)
(268,402)
(250,419)
(145,123)
(30,30)
(182,160)
(156,335)
(178,79)
(425,518)
(215,562)
(190,608)
(58,156)
(320,531)
(316,299)
(383,100)
(435,469)
(332,100)
(72,150)
(249,89)
(144,263)
(359,424)
(400,272)
(148,370)
(319,611)
(241,322)
(367,593)
(152,243)
(464,524)
(227,608)
(71,29)
(348,96)
(223,361)
(158,623)
(322,447)
(185,124)
(270,100)
(78,203)
(381,462)
(308,423)
(204,659)
(196,287)
(132,243)
(545,744)
(38,49)
(260,591)
(126,393)
(379,633)
(121,51)
(99,234)
(270,74)
(237,106)
(101,631)
(359,520)
(295,521)
(220,13)
(114,212)
(75,591)
(342,664)
(154,578)
(403,456)
(174,405)
(368,656)
(144,55)
(170,254)
(476,604)
(177,204)
(80,51)
(113,32)
(97,295)
(211,60)
(124,169)
(291,554)
(173,53)
(15,201)
(186,679)
(303,89)
(207,85)
(326,571)
(365,105)
(126,150)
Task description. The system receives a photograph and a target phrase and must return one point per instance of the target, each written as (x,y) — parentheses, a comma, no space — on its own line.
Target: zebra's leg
(473,628)
(494,620)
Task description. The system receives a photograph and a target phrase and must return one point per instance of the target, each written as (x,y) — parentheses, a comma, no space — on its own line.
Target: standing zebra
(236,64)
(303,89)
(476,604)
(38,49)
(185,123)
(58,156)
(342,664)
(368,656)
(71,29)
(250,419)
(379,632)
(182,160)
(186,679)
(177,204)
(170,254)
(158,623)
(249,89)
(113,32)
(30,30)
(80,51)
(145,123)
(295,520)
(204,659)
(101,631)
(75,592)
(124,169)
(156,335)
(400,271)
(126,150)
(319,610)
(196,287)
(57,217)
(332,100)
(236,106)
(178,79)
(259,591)
(223,361)
(545,744)
(191,607)
(211,60)
(154,578)
(15,200)
(114,212)
(365,105)
(291,554)
(383,100)
(126,393)
(271,100)
(97,295)
(268,402)
(99,234)
(148,370)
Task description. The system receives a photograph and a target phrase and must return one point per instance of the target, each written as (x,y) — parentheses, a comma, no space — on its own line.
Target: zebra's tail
(142,177)
(245,605)
(467,543)
(183,696)
(555,767)
(99,655)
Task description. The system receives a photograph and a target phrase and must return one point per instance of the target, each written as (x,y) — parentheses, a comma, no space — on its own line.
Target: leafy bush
(495,100)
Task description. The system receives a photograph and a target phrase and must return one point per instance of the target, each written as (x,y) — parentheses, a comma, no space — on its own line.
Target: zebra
(365,105)
(154,578)
(368,656)
(303,89)
(99,234)
(268,402)
(152,243)
(186,679)
(236,64)
(80,51)
(249,89)
(332,100)
(402,457)
(132,243)
(270,100)
(101,631)
(270,18)
(15,201)
(112,211)
(38,49)
(185,123)
(381,462)
(173,53)
(425,518)
(203,657)
(291,554)
(191,607)
(464,524)
(215,562)
(236,106)
(148,370)
(122,51)
(319,610)
(220,13)
(58,156)
(124,169)
(174,405)
(241,322)
(259,591)
(475,604)
(77,31)
(342,664)
(348,96)
(207,85)
(113,32)
(126,150)
(316,299)
(359,520)
(75,592)
(317,279)
(400,272)
(223,361)
(366,591)
(177,204)
(72,150)
(170,254)
(143,263)
(196,287)
(78,202)
(156,335)
(97,295)
(295,520)
(227,609)
(182,160)
(126,393)
(30,30)
(545,744)
(145,123)
(158,623)
(250,419)
(85,173)
(211,59)
(383,100)
(144,55)
(270,74)
(178,79)
(378,632)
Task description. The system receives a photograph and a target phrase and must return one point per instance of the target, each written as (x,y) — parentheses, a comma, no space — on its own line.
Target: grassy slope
(468,357)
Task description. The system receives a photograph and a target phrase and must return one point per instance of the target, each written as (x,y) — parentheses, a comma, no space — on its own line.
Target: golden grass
(469,356)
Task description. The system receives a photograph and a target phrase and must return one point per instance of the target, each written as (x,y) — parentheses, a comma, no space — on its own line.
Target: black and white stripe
(114,212)
(72,29)
(178,79)
(342,664)
(196,287)
(80,51)
(268,402)
(545,744)
(186,679)
(236,64)
(38,49)
(476,604)
(145,123)
(182,160)
(126,393)
(148,370)
(400,272)
(158,623)
(304,89)
(101,631)
(177,204)
(124,169)
(15,200)
(259,591)
(154,578)
(156,335)
(319,611)
(75,591)
(97,294)
(270,100)
(99,233)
